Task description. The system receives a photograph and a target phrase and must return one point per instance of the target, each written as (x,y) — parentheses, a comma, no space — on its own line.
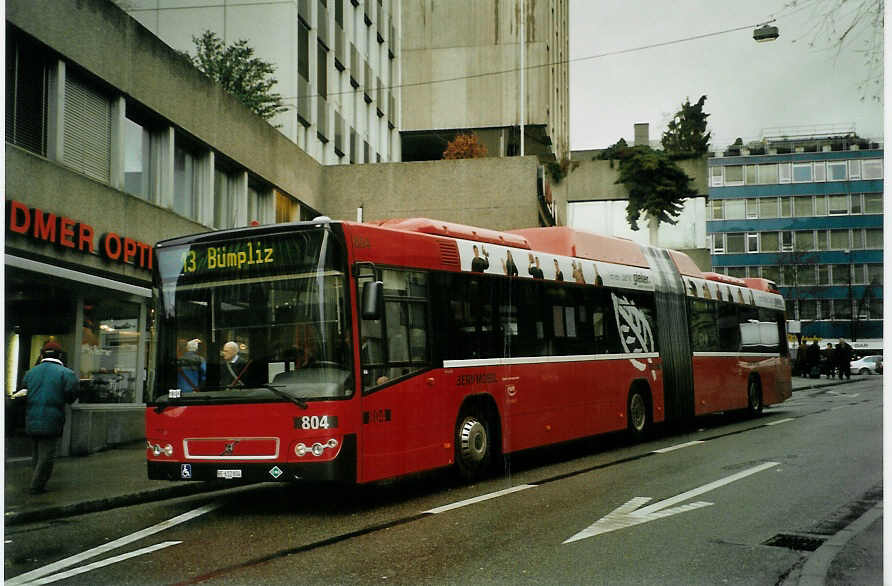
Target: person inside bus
(234,366)
(534,269)
(558,274)
(480,263)
(191,368)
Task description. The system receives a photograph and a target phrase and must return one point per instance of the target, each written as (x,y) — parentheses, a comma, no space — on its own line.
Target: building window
(875,274)
(734,175)
(788,275)
(839,204)
(854,169)
(822,240)
(771,273)
(257,200)
(768,173)
(856,203)
(718,243)
(808,309)
(735,243)
(770,241)
(875,311)
(858,274)
(224,202)
(836,170)
(842,309)
(752,208)
(26,93)
(857,239)
(805,240)
(802,172)
(823,274)
(751,178)
(872,169)
(185,182)
(874,237)
(287,208)
(715,176)
(786,207)
(87,129)
(873,203)
(839,239)
(820,171)
(820,205)
(803,206)
(717,209)
(752,242)
(137,159)
(805,275)
(768,207)
(739,272)
(786,241)
(735,209)
(783,172)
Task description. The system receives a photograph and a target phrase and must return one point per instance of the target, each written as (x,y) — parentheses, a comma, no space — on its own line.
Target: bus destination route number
(232,257)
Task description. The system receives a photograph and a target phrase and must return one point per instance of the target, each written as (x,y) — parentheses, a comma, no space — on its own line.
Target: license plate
(229,474)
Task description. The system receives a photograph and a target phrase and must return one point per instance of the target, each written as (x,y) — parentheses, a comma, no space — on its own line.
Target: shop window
(27,70)
(109,352)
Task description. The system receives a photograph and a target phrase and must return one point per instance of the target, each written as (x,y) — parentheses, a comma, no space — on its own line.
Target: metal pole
(523,34)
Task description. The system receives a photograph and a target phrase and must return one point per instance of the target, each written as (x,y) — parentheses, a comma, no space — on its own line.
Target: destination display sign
(240,257)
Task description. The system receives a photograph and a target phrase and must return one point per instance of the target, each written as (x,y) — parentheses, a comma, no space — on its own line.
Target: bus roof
(453,230)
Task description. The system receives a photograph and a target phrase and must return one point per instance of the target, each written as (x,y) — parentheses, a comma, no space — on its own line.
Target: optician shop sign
(75,235)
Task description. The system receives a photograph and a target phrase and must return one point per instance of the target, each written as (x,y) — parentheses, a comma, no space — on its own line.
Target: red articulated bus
(338,351)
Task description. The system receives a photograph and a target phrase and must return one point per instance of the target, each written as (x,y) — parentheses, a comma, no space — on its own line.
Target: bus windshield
(253,319)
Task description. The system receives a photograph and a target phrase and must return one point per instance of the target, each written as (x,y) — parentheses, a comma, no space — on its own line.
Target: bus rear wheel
(473,446)
(638,413)
(754,398)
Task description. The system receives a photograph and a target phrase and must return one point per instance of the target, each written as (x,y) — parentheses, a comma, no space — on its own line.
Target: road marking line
(779,421)
(78,558)
(102,563)
(677,447)
(478,499)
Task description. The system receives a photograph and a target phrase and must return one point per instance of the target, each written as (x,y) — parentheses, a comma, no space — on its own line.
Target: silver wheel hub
(472,441)
(637,412)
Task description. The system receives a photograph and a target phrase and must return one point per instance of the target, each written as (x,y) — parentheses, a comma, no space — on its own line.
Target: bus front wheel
(473,449)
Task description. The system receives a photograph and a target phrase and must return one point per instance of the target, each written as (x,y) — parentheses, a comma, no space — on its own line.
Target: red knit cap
(50,347)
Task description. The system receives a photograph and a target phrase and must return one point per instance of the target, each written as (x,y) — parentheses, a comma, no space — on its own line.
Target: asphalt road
(695,507)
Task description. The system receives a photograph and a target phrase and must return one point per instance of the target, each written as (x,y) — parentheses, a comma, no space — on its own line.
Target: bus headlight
(159,450)
(317,449)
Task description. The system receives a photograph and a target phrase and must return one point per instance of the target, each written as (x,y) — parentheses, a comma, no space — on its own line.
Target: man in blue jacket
(50,385)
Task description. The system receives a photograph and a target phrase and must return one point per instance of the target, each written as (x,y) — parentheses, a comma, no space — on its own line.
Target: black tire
(473,445)
(638,413)
(754,398)
(864,371)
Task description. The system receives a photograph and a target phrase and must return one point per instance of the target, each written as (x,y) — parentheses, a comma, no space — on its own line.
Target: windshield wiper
(190,398)
(278,391)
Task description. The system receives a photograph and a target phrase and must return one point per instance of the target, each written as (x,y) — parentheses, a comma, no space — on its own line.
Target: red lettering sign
(68,233)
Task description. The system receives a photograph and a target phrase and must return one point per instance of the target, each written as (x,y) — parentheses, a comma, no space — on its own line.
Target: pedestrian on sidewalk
(49,385)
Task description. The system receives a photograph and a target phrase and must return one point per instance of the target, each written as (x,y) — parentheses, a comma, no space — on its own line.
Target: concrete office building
(337,63)
(461,71)
(806,212)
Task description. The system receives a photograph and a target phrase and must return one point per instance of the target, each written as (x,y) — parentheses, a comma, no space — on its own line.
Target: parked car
(867,365)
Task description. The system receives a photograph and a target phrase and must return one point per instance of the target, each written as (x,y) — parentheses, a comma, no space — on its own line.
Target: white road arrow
(630,514)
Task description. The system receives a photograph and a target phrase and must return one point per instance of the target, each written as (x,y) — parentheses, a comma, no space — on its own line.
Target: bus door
(405,420)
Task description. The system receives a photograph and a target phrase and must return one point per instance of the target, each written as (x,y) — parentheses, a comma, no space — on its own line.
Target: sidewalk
(117,478)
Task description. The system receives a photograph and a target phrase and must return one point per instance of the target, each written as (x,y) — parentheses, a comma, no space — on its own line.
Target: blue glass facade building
(808,215)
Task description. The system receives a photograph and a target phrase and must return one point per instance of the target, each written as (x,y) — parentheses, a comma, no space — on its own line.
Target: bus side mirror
(372,300)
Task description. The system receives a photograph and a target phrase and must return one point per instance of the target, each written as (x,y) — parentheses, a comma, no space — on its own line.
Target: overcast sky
(749,86)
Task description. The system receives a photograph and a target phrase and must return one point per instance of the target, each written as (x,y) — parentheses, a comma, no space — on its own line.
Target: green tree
(686,135)
(235,69)
(656,186)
